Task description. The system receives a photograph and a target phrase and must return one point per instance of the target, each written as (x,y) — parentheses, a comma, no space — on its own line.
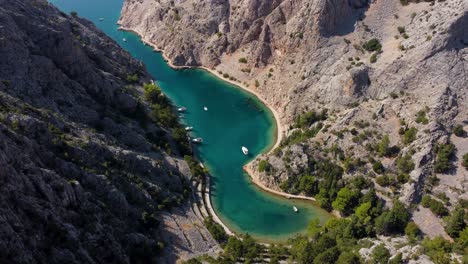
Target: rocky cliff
(382,70)
(85,174)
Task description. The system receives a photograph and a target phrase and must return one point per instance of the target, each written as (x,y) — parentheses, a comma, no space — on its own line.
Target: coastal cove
(235,117)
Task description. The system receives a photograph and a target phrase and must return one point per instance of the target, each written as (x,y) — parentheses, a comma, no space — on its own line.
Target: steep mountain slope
(374,87)
(85,172)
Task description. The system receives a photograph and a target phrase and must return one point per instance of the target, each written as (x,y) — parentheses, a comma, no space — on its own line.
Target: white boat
(101,19)
(124,40)
(188,128)
(205,108)
(197,140)
(245,150)
(181,109)
(295,209)
(201,165)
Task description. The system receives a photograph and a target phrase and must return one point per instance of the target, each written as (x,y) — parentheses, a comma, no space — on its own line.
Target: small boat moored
(101,19)
(181,109)
(124,40)
(205,108)
(295,209)
(245,150)
(189,128)
(197,140)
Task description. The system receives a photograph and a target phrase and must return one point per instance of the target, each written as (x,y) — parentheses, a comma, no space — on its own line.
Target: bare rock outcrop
(83,177)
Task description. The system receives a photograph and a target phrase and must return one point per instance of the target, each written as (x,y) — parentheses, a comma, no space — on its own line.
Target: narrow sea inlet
(234,119)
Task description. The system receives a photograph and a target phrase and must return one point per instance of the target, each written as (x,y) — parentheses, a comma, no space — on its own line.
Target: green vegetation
(378,167)
(324,184)
(436,207)
(380,255)
(372,45)
(465,160)
(409,135)
(307,119)
(401,29)
(458,131)
(445,152)
(346,200)
(264,166)
(242,60)
(74,14)
(405,164)
(216,230)
(305,130)
(383,148)
(412,231)
(163,114)
(301,135)
(421,117)
(197,171)
(437,249)
(373,57)
(247,249)
(133,78)
(393,221)
(456,222)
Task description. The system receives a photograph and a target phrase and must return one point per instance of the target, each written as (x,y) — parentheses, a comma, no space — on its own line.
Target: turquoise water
(234,118)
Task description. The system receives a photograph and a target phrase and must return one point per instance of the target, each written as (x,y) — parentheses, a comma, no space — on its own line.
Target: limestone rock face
(82,179)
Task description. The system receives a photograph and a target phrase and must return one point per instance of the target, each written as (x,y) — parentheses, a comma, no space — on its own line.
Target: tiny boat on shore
(205,108)
(295,209)
(245,150)
(197,140)
(181,109)
(189,128)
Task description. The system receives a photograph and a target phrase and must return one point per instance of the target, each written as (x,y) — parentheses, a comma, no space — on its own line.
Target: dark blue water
(234,118)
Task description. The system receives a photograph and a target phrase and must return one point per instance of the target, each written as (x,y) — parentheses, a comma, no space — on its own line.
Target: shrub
(421,117)
(401,30)
(456,223)
(409,135)
(307,119)
(373,58)
(445,152)
(216,230)
(458,131)
(378,167)
(132,78)
(380,255)
(346,200)
(372,45)
(383,148)
(242,60)
(383,180)
(264,165)
(465,160)
(393,221)
(405,164)
(436,249)
(412,231)
(436,207)
(74,13)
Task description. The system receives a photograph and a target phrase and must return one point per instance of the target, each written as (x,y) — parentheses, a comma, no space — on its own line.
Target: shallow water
(234,118)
